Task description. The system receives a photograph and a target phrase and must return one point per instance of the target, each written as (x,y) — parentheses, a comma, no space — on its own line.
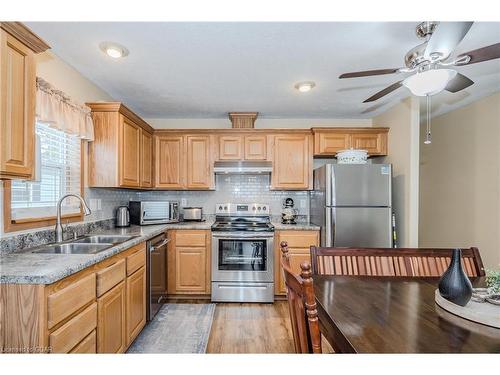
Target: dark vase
(454,285)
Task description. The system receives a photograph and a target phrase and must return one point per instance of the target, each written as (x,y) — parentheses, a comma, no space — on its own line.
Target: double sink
(87,245)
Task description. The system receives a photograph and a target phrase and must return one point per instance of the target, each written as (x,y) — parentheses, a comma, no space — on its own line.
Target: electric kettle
(122,217)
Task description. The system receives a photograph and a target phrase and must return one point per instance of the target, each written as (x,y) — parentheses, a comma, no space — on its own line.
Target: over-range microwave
(153,212)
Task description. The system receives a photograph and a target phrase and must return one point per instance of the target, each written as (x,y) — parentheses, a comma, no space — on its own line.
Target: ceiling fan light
(429,82)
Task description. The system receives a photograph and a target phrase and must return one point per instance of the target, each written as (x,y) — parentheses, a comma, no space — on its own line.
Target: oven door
(242,256)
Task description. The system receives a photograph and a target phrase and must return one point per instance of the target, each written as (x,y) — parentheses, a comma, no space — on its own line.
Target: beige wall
(460,180)
(260,123)
(403,121)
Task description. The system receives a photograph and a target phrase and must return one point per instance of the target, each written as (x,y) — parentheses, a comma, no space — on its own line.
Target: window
(58,172)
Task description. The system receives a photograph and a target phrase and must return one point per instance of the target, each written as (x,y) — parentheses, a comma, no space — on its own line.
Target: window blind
(58,163)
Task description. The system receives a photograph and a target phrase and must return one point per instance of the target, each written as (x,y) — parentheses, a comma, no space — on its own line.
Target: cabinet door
(17,108)
(190,270)
(255,147)
(136,304)
(146,159)
(330,143)
(199,162)
(230,147)
(374,143)
(299,243)
(170,162)
(130,153)
(111,321)
(292,167)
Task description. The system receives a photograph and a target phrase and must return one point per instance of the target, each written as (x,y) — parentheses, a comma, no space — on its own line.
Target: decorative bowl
(352,156)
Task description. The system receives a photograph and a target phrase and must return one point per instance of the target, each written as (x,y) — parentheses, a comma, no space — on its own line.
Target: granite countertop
(35,268)
(299,226)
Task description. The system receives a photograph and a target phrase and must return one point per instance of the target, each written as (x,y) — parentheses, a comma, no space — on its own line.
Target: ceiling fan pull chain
(428,130)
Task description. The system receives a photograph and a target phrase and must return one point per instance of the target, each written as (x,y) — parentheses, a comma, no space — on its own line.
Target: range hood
(243,167)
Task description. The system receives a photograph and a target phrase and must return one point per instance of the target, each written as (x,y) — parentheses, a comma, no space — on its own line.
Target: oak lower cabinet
(121,153)
(18,46)
(111,320)
(100,309)
(299,243)
(189,262)
(136,304)
(329,141)
(184,161)
(293,162)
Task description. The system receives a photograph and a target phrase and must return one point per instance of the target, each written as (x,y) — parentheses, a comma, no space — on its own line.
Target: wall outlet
(184,202)
(98,204)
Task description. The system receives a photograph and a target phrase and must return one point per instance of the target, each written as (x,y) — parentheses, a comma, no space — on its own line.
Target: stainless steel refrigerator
(352,204)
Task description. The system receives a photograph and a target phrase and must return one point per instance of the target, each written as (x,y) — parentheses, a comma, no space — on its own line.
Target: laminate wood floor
(251,328)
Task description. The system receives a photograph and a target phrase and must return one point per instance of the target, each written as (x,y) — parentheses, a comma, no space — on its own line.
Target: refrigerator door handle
(330,227)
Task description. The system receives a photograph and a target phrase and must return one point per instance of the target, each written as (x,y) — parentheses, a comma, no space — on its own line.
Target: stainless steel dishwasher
(156,271)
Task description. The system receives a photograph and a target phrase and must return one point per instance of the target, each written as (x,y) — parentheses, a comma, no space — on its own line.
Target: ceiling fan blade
(446,38)
(367,73)
(384,92)
(459,83)
(482,54)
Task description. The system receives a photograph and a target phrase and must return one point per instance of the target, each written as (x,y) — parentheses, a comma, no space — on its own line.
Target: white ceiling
(204,70)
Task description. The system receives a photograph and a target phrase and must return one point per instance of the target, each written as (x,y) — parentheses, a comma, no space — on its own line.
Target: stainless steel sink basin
(73,248)
(105,239)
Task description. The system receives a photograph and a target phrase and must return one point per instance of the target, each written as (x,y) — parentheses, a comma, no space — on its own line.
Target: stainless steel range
(242,253)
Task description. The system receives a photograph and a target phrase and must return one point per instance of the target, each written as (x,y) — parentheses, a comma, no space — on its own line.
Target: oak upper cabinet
(120,153)
(293,163)
(189,262)
(230,147)
(111,321)
(200,159)
(299,243)
(18,46)
(255,147)
(147,160)
(329,141)
(170,156)
(242,147)
(130,140)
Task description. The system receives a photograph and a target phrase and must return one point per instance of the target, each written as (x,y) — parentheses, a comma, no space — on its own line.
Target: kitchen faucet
(59,229)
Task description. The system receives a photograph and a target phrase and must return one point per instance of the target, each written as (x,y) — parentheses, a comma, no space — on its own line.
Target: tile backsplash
(229,188)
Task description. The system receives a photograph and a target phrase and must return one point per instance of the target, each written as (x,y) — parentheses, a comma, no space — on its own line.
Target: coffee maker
(288,214)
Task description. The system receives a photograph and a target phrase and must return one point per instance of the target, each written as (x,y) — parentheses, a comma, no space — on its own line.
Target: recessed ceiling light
(113,50)
(305,86)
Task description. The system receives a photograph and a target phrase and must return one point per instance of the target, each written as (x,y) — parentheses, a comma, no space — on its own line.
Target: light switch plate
(302,203)
(184,202)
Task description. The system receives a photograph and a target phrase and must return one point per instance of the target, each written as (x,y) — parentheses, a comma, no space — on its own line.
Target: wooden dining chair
(391,262)
(302,305)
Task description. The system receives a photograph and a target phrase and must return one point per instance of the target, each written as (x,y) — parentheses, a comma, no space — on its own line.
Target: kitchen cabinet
(293,163)
(242,147)
(230,147)
(184,162)
(189,262)
(99,309)
(329,141)
(111,321)
(147,160)
(121,153)
(199,162)
(299,243)
(18,46)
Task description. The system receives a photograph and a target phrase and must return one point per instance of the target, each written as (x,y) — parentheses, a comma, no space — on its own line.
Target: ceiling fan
(430,61)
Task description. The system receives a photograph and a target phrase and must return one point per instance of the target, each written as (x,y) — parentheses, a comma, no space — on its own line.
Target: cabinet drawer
(301,239)
(71,333)
(87,345)
(190,238)
(66,301)
(110,276)
(136,260)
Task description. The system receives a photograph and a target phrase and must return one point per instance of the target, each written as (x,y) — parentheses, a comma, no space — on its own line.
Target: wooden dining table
(361,314)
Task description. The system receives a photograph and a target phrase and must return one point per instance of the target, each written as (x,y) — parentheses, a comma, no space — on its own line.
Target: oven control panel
(242,209)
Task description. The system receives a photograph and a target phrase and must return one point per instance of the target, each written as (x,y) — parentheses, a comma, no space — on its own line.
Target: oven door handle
(241,235)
